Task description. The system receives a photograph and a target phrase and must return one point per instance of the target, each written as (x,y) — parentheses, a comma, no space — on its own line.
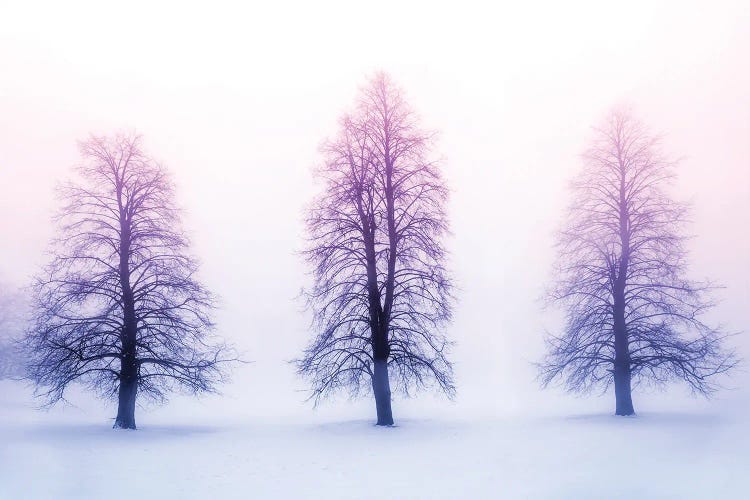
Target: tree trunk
(126,397)
(381,387)
(128,363)
(623,397)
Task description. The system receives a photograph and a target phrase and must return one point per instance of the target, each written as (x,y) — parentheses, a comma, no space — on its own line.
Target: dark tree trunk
(128,361)
(128,369)
(623,397)
(380,384)
(126,399)
(381,387)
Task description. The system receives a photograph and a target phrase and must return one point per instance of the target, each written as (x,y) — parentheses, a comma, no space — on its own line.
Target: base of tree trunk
(623,393)
(124,425)
(381,387)
(126,406)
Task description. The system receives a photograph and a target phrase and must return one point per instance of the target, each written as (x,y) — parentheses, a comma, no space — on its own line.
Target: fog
(236,99)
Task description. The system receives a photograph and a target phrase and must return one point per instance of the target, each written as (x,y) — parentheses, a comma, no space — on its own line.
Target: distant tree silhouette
(12,308)
(631,314)
(381,295)
(118,308)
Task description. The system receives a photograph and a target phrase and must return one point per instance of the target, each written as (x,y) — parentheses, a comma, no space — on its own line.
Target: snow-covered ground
(74,454)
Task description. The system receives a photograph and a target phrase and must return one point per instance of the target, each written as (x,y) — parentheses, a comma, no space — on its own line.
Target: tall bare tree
(381,295)
(632,316)
(118,307)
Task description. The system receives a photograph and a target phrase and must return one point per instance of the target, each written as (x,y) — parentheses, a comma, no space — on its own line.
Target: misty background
(235,100)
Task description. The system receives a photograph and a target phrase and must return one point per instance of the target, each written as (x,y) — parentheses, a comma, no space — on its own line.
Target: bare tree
(118,308)
(381,295)
(631,313)
(12,308)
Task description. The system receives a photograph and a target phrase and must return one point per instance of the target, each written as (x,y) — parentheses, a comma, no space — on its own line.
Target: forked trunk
(381,387)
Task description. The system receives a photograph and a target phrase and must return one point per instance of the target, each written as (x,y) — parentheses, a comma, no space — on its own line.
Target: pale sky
(235,98)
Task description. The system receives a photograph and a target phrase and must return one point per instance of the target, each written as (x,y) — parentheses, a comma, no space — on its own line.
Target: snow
(73,453)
